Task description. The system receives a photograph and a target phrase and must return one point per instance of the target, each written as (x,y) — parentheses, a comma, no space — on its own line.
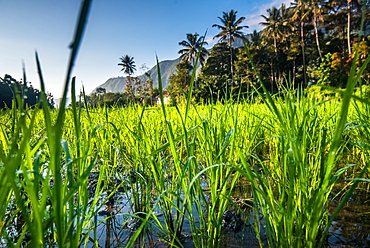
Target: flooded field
(351,228)
(232,175)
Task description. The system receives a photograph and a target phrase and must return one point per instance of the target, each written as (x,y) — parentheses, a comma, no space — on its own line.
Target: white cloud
(209,39)
(253,20)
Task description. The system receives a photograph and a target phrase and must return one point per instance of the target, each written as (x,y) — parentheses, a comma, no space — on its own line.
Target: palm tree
(277,26)
(194,45)
(273,29)
(300,16)
(273,25)
(256,37)
(346,8)
(351,4)
(318,8)
(311,10)
(128,67)
(230,29)
(128,64)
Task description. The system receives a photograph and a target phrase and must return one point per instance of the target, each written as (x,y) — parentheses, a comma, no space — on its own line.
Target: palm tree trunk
(231,61)
(272,76)
(276,73)
(294,73)
(349,25)
(303,53)
(317,35)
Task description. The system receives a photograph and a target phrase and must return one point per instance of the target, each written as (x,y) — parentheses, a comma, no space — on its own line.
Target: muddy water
(351,227)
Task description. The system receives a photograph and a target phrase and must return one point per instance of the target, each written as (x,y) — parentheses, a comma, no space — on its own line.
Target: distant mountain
(167,67)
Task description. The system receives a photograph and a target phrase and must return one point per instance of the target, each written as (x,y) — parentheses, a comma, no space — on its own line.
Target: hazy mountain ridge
(167,68)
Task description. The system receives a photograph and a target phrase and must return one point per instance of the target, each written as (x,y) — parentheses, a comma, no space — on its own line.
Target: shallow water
(351,227)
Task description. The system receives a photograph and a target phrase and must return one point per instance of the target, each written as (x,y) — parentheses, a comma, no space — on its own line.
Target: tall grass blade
(160,87)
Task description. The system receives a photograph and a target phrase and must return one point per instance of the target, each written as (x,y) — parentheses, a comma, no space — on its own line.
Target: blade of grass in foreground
(62,223)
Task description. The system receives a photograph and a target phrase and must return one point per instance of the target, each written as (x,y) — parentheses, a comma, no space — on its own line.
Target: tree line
(13,93)
(306,45)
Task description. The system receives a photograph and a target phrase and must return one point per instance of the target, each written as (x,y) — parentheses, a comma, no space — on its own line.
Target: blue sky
(141,29)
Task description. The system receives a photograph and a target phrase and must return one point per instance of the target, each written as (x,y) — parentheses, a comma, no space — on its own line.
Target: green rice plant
(63,213)
(224,128)
(138,174)
(292,191)
(171,184)
(171,178)
(214,143)
(185,168)
(208,147)
(41,173)
(6,144)
(14,170)
(361,124)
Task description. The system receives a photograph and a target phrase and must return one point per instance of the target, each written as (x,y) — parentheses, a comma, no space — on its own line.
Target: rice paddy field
(198,177)
(281,171)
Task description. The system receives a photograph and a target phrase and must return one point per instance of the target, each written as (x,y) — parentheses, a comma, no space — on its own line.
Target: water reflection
(351,227)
